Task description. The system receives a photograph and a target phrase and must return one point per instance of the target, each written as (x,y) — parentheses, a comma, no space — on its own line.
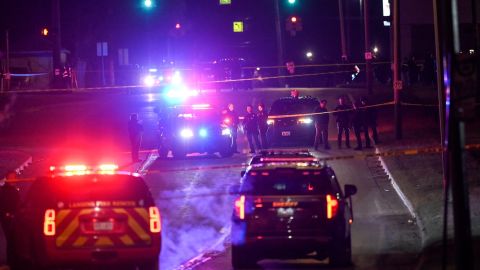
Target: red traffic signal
(178,26)
(293,19)
(44,32)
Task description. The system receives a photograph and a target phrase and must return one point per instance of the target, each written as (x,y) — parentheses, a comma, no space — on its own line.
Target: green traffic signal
(148,3)
(292,2)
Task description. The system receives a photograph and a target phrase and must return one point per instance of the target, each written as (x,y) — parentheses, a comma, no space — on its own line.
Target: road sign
(368,56)
(398,85)
(238,26)
(102,49)
(225,2)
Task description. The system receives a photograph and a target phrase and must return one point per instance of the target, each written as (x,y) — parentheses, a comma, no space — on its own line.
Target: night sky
(206,29)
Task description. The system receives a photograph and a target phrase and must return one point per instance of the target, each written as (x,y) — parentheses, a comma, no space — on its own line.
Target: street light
(45,32)
(291,2)
(375,49)
(148,3)
(309,55)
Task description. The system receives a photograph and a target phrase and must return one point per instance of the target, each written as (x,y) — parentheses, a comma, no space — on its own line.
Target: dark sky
(206,31)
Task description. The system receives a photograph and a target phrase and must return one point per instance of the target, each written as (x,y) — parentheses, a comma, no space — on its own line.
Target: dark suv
(296,130)
(87,217)
(291,210)
(196,128)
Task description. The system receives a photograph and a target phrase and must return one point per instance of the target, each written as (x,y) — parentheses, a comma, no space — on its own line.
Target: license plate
(285,133)
(103,226)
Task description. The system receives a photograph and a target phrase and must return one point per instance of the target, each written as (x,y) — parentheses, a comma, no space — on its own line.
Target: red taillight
(49,223)
(155,220)
(240,207)
(332,206)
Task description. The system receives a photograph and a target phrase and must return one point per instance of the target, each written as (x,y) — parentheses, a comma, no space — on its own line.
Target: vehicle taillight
(240,207)
(332,206)
(49,223)
(155,221)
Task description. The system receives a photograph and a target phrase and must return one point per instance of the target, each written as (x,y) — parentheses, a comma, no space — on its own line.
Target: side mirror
(234,190)
(350,190)
(242,173)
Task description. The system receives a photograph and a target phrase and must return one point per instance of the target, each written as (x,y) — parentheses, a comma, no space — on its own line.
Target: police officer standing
(250,126)
(343,122)
(262,116)
(370,121)
(135,130)
(233,118)
(358,122)
(321,125)
(9,202)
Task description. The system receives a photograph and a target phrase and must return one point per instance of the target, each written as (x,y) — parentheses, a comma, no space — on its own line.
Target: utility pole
(7,64)
(280,47)
(368,53)
(57,42)
(397,82)
(456,87)
(342,31)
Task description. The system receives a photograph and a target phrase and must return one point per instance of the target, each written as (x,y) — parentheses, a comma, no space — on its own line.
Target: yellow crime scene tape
(317,65)
(392,153)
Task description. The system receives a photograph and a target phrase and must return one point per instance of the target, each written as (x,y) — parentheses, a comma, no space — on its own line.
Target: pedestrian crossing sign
(238,26)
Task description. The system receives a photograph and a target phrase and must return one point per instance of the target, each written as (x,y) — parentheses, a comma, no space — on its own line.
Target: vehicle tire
(162,152)
(151,265)
(179,153)
(226,153)
(243,258)
(342,253)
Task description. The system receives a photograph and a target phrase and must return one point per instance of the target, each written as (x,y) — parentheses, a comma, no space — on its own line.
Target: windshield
(292,106)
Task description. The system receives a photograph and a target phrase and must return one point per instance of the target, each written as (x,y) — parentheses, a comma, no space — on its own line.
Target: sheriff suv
(282,155)
(292,128)
(86,216)
(291,210)
(196,128)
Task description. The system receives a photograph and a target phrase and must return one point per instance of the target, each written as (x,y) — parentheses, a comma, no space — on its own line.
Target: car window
(287,183)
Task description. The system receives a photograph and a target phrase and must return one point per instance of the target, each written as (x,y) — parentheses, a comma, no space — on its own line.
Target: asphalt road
(195,204)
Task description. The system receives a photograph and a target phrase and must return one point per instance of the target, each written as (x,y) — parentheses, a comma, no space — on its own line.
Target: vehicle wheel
(162,152)
(342,253)
(243,258)
(226,153)
(151,265)
(179,153)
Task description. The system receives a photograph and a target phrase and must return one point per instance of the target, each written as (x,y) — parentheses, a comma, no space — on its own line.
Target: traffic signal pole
(280,47)
(448,41)
(397,83)
(368,55)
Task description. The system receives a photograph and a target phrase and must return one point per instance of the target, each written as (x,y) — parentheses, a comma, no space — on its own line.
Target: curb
(403,197)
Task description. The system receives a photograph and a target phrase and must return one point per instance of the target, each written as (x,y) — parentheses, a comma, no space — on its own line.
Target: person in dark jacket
(358,121)
(232,118)
(370,122)
(250,126)
(135,130)
(321,125)
(262,116)
(343,122)
(9,203)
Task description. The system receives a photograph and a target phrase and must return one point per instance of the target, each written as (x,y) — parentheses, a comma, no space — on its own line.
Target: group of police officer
(359,116)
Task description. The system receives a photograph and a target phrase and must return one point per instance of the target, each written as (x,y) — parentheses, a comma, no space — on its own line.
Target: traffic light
(148,3)
(292,2)
(178,26)
(293,19)
(45,32)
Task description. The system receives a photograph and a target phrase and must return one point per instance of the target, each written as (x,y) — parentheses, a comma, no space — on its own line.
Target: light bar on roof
(272,159)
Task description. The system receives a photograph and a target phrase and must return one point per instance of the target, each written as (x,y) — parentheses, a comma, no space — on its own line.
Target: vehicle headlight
(203,133)
(226,132)
(270,121)
(149,80)
(186,133)
(305,120)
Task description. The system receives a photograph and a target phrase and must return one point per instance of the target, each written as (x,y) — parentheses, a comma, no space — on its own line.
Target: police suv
(292,128)
(87,216)
(196,128)
(291,210)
